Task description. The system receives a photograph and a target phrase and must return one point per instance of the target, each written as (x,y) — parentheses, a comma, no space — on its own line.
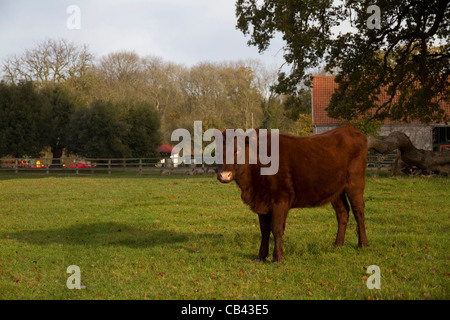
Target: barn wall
(420,134)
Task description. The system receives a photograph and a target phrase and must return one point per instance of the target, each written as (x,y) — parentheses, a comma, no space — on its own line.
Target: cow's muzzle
(225,176)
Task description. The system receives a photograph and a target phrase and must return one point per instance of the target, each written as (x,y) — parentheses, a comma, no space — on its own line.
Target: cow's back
(317,169)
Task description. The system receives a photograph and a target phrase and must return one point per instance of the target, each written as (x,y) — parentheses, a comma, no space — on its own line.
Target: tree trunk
(426,162)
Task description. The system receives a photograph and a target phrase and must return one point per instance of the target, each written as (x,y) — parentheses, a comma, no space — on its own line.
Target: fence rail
(140,165)
(380,161)
(85,165)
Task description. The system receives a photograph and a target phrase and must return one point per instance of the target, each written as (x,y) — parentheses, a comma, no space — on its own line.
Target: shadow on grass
(108,234)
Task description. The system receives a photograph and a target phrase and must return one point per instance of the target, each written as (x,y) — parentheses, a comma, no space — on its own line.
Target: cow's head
(237,152)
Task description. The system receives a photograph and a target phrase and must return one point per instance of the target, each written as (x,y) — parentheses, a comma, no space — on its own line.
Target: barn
(434,136)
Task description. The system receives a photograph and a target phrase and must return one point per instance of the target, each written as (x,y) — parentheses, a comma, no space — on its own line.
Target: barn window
(441,138)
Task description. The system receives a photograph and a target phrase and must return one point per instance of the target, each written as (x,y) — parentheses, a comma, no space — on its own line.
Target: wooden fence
(381,161)
(139,165)
(81,166)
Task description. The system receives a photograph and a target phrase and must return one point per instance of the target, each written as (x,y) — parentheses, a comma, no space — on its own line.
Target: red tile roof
(323,87)
(164,148)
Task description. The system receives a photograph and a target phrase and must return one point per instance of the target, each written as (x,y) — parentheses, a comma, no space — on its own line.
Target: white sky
(182,31)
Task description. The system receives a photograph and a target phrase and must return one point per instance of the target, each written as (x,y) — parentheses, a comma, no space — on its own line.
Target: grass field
(190,237)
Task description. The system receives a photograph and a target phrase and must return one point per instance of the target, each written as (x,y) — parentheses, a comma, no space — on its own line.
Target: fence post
(140,166)
(76,166)
(16,168)
(109,166)
(47,166)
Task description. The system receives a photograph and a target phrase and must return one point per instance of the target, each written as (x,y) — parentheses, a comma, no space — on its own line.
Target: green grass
(190,237)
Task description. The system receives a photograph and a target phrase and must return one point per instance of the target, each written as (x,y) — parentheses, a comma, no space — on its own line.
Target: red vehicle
(79,164)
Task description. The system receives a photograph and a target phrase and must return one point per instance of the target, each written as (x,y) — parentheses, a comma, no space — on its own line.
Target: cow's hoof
(277,260)
(362,245)
(259,259)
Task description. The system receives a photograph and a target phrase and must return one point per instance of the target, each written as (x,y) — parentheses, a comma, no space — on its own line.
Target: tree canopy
(20,120)
(51,60)
(108,129)
(398,48)
(123,104)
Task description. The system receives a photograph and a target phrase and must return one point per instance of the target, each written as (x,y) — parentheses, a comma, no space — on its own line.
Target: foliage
(51,116)
(298,104)
(111,130)
(149,98)
(303,125)
(98,131)
(60,103)
(366,125)
(21,120)
(144,136)
(51,60)
(272,110)
(406,59)
(306,28)
(287,112)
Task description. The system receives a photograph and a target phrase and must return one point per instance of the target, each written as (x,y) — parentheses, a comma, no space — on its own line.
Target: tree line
(58,97)
(51,118)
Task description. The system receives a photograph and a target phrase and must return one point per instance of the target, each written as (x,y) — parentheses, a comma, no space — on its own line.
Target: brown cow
(313,171)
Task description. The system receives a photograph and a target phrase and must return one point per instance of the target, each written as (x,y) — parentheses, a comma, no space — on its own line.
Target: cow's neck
(244,180)
(251,193)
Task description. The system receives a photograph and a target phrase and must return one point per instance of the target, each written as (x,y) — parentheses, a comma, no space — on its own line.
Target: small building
(433,136)
(164,150)
(168,159)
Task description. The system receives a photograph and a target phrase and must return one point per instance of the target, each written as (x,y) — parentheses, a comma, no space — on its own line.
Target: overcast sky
(182,31)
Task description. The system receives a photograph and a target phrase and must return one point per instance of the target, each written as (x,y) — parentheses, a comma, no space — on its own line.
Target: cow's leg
(342,209)
(357,202)
(264,224)
(279,214)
